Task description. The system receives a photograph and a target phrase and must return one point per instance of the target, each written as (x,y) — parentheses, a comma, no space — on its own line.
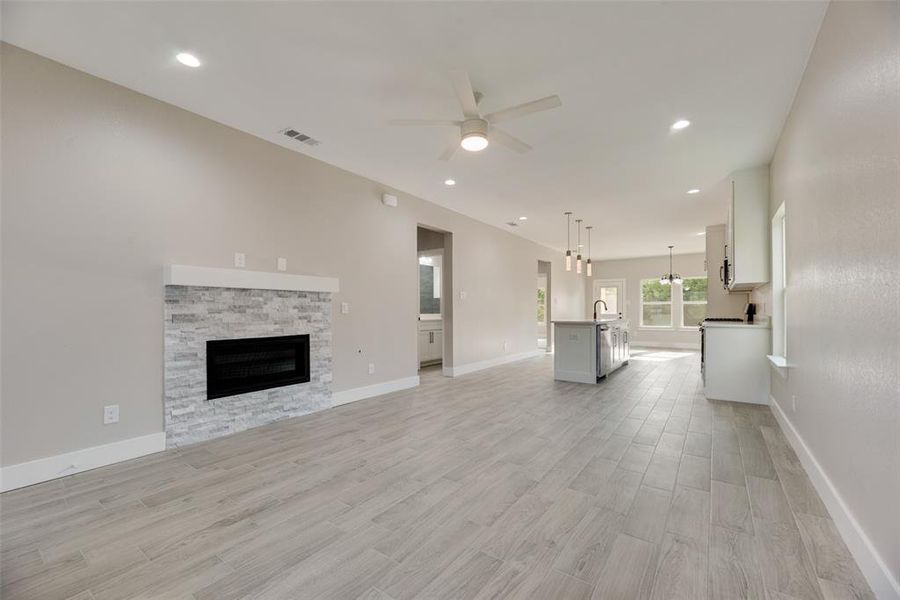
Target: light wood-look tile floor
(499,484)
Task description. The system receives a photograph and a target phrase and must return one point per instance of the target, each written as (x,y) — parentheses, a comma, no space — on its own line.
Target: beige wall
(837,171)
(632,270)
(102,186)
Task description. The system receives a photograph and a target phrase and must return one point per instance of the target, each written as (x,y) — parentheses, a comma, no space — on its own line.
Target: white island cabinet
(587,351)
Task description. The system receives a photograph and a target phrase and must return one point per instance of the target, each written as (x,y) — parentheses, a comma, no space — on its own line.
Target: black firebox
(253,364)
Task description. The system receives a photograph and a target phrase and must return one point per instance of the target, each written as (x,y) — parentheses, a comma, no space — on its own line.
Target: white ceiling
(338,71)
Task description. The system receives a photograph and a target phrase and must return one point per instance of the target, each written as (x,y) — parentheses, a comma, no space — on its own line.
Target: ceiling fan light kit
(476,132)
(474,135)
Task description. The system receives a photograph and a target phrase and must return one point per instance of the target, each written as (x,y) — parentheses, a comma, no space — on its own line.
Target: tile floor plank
(499,484)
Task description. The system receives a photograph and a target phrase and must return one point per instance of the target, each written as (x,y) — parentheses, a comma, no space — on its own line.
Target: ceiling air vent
(300,137)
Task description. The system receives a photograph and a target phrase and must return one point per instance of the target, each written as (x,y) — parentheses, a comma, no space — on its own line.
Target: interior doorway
(612,293)
(544,338)
(434,294)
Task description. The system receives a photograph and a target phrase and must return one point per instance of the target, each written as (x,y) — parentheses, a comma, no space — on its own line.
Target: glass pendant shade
(589,270)
(670,277)
(578,264)
(568,260)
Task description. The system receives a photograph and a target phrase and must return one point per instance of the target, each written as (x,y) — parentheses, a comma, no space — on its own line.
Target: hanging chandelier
(670,277)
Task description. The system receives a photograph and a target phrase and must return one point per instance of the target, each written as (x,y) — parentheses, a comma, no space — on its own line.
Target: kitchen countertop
(736,325)
(587,321)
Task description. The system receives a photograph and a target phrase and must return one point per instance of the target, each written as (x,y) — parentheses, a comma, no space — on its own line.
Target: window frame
(683,301)
(670,302)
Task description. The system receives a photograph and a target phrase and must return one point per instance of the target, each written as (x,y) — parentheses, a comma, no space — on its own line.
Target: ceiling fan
(477,130)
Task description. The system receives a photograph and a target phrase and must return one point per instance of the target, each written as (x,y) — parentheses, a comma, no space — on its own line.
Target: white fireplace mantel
(243,279)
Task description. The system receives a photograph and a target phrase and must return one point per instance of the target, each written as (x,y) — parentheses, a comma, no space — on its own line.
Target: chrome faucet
(605,307)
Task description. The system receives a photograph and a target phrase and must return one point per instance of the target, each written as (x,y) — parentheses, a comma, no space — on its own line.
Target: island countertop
(587,321)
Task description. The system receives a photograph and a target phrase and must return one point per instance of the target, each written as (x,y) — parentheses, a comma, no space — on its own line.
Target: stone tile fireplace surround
(195,314)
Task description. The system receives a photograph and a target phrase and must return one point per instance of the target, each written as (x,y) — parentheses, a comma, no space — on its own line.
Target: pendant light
(568,240)
(670,277)
(578,258)
(589,270)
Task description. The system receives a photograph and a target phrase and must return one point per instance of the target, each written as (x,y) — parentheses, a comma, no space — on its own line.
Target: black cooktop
(730,319)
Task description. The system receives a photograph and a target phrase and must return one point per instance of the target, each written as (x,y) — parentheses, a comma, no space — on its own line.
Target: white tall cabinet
(747,230)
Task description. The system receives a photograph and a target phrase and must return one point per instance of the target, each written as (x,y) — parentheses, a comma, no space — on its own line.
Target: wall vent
(300,137)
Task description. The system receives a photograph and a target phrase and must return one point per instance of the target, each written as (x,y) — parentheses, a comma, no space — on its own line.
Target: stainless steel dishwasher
(612,347)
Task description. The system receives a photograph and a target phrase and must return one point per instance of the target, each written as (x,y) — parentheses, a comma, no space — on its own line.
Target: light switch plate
(240,260)
(281,264)
(345,308)
(110,414)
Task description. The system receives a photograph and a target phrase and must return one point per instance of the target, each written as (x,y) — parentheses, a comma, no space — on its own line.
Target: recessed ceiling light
(523,218)
(694,191)
(188,59)
(449,182)
(701,233)
(680,124)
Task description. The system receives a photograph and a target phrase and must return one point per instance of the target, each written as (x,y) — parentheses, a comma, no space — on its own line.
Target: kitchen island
(587,351)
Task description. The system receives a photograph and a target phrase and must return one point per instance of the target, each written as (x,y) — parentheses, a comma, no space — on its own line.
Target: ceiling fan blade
(504,139)
(424,123)
(450,151)
(514,112)
(464,93)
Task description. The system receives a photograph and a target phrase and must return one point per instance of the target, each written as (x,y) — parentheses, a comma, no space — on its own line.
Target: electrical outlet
(462,295)
(371,368)
(794,402)
(345,308)
(240,260)
(110,414)
(281,264)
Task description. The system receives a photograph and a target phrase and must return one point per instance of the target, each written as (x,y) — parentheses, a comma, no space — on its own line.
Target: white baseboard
(377,389)
(673,345)
(884,585)
(52,467)
(491,362)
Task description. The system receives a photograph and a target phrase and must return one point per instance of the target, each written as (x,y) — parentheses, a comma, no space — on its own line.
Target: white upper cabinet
(747,230)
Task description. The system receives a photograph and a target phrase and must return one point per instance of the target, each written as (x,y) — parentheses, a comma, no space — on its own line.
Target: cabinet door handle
(430,337)
(722,273)
(625,334)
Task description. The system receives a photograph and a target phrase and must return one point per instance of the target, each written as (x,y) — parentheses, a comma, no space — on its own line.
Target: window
(693,301)
(541,305)
(612,293)
(779,285)
(656,304)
